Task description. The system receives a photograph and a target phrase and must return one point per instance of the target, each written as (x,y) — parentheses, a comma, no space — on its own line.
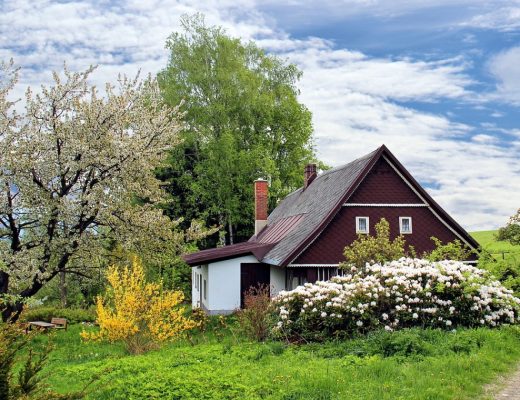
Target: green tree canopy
(243,121)
(511,232)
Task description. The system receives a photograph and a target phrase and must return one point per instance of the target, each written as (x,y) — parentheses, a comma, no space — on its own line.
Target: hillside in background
(488,241)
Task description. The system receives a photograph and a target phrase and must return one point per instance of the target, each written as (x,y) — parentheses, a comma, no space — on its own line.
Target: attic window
(362,225)
(405,225)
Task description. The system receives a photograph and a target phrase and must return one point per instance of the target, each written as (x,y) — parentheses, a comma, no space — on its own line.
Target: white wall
(277,278)
(223,284)
(196,293)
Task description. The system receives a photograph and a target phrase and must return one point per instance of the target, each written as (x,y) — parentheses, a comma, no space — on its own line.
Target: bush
(507,271)
(253,318)
(72,315)
(379,248)
(396,295)
(448,251)
(139,313)
(17,347)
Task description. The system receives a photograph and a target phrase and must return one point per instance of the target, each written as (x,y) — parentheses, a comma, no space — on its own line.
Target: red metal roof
(277,231)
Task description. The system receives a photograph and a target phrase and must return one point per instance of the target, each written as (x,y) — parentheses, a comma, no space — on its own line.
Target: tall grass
(411,364)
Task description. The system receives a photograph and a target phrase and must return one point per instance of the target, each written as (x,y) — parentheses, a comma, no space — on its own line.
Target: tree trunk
(4,282)
(222,233)
(230,232)
(11,312)
(63,289)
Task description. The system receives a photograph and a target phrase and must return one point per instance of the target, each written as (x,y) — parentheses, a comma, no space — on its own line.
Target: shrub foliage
(72,315)
(141,314)
(455,250)
(398,294)
(379,248)
(254,317)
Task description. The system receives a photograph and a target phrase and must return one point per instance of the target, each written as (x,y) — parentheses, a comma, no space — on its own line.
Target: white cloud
(353,102)
(505,68)
(502,17)
(356,100)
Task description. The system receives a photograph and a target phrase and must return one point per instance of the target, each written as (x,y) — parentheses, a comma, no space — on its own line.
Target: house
(303,239)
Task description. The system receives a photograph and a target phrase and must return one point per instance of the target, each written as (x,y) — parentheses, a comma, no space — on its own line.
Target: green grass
(487,239)
(500,250)
(414,364)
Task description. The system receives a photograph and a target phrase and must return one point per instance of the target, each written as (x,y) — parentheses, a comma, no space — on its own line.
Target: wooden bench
(59,323)
(41,325)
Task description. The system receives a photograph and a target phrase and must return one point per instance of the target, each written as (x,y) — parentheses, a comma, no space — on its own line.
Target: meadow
(499,249)
(410,364)
(220,363)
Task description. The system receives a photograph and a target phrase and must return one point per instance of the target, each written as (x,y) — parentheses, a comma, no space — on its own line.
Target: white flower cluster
(403,293)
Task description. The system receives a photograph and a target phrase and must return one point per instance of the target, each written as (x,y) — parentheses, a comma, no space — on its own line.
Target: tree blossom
(77,170)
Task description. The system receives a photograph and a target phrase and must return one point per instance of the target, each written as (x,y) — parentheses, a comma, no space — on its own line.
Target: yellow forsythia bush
(139,313)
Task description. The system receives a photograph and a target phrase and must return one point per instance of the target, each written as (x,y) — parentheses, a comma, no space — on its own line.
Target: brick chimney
(261,197)
(309,174)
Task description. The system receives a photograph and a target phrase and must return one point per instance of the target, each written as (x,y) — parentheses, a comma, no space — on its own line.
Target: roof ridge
(341,167)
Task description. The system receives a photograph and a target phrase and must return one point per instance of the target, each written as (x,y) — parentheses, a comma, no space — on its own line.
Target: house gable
(386,191)
(383,185)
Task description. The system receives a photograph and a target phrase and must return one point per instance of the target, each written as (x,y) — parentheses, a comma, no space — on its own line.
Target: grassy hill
(498,248)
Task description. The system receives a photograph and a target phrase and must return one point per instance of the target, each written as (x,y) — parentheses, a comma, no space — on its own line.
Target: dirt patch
(504,388)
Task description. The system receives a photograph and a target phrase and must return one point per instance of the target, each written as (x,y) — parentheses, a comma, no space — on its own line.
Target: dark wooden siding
(384,185)
(381,186)
(328,248)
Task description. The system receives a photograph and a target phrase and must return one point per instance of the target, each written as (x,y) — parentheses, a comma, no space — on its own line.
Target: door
(251,275)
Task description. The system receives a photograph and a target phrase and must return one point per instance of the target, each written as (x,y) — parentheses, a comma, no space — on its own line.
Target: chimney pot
(310,173)
(261,200)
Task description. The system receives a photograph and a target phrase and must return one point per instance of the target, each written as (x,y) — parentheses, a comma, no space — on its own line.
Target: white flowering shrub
(398,294)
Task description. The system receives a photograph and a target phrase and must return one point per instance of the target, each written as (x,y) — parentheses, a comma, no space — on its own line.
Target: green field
(416,364)
(488,241)
(499,249)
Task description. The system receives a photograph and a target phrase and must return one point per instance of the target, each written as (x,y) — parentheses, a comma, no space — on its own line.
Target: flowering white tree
(77,167)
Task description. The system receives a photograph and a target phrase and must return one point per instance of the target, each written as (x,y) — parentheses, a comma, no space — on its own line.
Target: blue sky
(437,81)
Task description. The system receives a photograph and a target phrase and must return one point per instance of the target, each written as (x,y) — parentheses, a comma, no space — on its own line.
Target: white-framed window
(205,290)
(362,224)
(405,225)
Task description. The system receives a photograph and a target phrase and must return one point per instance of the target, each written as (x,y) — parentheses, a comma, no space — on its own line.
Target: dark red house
(303,239)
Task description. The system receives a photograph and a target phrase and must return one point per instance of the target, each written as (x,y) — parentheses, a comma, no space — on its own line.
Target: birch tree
(244,121)
(76,168)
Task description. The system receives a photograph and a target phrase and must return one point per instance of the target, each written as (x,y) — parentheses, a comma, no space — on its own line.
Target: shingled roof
(300,218)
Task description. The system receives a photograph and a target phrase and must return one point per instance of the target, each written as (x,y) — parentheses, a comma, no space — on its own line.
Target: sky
(438,82)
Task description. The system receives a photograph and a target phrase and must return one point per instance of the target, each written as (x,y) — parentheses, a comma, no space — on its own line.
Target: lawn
(499,249)
(414,364)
